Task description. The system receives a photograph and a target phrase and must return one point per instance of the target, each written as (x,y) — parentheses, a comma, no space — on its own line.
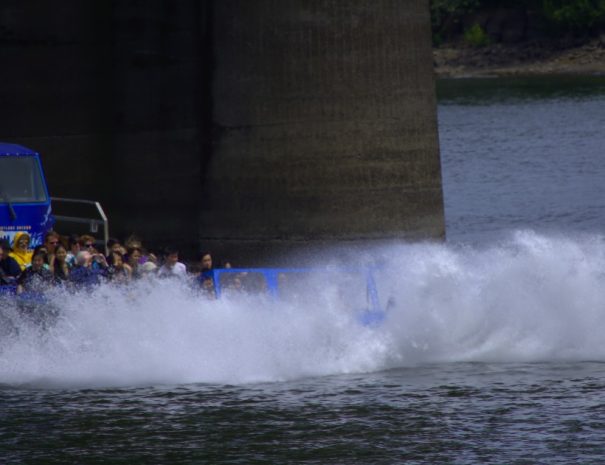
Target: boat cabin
(25,205)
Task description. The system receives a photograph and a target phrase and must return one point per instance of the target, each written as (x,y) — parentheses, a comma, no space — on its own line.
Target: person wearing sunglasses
(51,241)
(87,243)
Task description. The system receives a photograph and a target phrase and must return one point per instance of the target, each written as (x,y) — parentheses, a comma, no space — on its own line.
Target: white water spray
(533,298)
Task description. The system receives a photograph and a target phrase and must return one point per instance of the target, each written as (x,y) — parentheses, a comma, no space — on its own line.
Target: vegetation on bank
(482,22)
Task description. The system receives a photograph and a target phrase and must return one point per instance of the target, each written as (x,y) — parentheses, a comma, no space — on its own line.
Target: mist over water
(531,297)
(162,332)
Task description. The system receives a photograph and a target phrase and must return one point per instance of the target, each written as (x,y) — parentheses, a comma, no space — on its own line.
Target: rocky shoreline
(524,59)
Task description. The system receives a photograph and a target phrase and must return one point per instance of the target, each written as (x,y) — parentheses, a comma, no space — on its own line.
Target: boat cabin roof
(8,150)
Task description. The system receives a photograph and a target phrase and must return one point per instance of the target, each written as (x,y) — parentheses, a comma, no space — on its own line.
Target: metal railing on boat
(93,223)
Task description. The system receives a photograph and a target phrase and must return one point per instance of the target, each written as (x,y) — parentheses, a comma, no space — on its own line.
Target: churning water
(492,350)
(531,298)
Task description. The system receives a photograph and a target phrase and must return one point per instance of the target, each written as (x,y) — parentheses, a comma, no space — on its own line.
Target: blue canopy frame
(373,314)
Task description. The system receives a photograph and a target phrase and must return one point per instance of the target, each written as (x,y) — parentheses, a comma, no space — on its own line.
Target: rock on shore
(520,59)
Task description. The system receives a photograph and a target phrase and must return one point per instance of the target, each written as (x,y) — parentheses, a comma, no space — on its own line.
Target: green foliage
(578,17)
(476,36)
(575,16)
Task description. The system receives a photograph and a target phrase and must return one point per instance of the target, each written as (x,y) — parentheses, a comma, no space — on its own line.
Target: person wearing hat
(21,252)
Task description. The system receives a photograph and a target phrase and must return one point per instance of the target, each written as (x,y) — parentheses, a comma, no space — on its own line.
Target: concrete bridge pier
(325,127)
(249,127)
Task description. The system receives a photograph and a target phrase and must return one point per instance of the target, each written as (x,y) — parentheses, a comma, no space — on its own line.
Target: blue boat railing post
(372,292)
(272,278)
(217,282)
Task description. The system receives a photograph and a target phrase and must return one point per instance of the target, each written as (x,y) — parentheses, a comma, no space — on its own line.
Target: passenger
(133,242)
(51,240)
(208,289)
(232,283)
(42,248)
(21,252)
(113,245)
(237,284)
(148,269)
(87,243)
(5,280)
(205,276)
(99,262)
(150,257)
(97,259)
(172,267)
(74,247)
(83,275)
(205,266)
(59,266)
(9,268)
(206,261)
(133,258)
(118,271)
(35,278)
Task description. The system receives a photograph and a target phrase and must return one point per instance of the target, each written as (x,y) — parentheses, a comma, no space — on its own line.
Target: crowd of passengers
(77,262)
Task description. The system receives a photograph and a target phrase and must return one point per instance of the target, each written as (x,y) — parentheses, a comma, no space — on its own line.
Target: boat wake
(532,298)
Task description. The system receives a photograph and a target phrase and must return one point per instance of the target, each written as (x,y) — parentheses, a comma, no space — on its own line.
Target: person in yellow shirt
(21,252)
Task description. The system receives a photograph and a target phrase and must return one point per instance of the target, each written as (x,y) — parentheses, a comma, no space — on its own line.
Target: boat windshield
(338,286)
(21,180)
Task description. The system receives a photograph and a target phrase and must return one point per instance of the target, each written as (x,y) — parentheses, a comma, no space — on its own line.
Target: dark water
(466,413)
(493,352)
(520,153)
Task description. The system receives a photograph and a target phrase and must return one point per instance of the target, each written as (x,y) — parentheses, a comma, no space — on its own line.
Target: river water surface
(493,350)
